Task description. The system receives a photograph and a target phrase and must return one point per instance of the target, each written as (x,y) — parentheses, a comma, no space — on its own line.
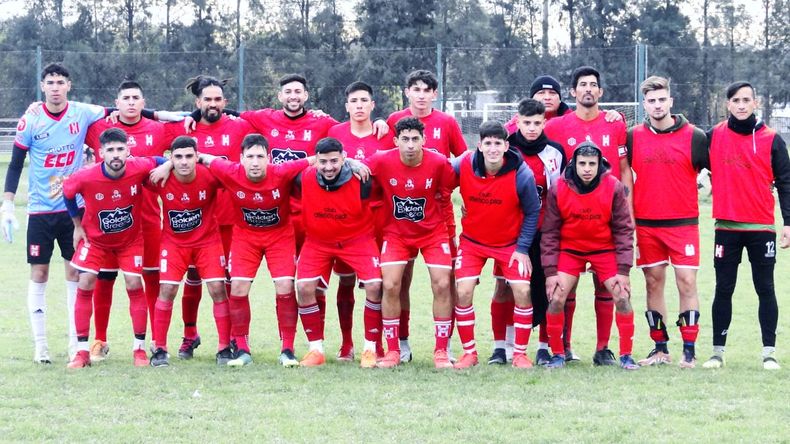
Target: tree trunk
(705,68)
(544,41)
(570,7)
(129,9)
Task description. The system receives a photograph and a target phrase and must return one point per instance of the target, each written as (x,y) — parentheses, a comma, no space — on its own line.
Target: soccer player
(587,219)
(110,231)
(54,139)
(190,237)
(589,123)
(146,138)
(496,185)
(338,226)
(443,135)
(545,159)
(745,154)
(666,154)
(259,192)
(359,139)
(415,183)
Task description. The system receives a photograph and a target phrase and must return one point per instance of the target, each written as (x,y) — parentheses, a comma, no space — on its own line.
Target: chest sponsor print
(280,155)
(408,209)
(116,221)
(185,220)
(260,218)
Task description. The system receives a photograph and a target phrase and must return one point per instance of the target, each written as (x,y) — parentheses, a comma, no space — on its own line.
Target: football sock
(71,299)
(522,322)
(190,304)
(240,316)
(465,320)
(688,323)
(83,308)
(442,327)
(37,310)
(311,322)
(320,299)
(625,327)
(391,329)
(554,325)
(164,311)
(499,318)
(222,319)
(604,315)
(658,330)
(287,315)
(405,316)
(372,320)
(567,329)
(345,312)
(102,303)
(138,310)
(543,335)
(151,284)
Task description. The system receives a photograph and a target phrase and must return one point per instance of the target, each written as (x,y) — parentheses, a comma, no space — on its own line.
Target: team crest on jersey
(21,126)
(116,221)
(116,195)
(240,194)
(169,196)
(130,140)
(605,140)
(572,141)
(74,128)
(307,135)
(280,155)
(257,197)
(428,183)
(209,142)
(35,250)
(393,181)
(409,184)
(290,135)
(275,133)
(408,208)
(360,154)
(185,197)
(259,218)
(437,133)
(186,220)
(99,196)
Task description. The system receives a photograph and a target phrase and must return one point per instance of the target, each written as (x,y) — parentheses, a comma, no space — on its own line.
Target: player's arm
(160,174)
(529,201)
(700,153)
(550,241)
(780,164)
(8,219)
(359,169)
(457,142)
(71,187)
(296,189)
(622,231)
(627,179)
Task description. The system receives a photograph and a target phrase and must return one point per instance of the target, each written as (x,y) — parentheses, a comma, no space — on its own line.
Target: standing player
(190,237)
(443,135)
(111,233)
(496,185)
(415,183)
(666,154)
(587,219)
(588,123)
(746,155)
(545,89)
(54,139)
(338,226)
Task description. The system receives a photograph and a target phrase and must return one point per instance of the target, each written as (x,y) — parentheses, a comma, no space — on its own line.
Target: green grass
(196,401)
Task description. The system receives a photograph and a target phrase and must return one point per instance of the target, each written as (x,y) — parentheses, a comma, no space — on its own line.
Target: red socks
(522,321)
(543,335)
(604,315)
(372,319)
(554,326)
(83,309)
(287,315)
(570,309)
(465,321)
(625,326)
(138,310)
(404,323)
(345,312)
(164,311)
(102,303)
(442,328)
(151,285)
(391,333)
(312,322)
(501,313)
(222,319)
(240,320)
(190,303)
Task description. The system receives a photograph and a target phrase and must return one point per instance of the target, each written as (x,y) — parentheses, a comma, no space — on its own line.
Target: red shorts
(94,258)
(296,222)
(678,246)
(279,248)
(604,265)
(361,254)
(152,238)
(380,215)
(209,261)
(473,256)
(435,249)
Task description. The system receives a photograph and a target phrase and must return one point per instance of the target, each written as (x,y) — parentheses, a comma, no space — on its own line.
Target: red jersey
(289,138)
(188,208)
(359,148)
(112,206)
(413,195)
(442,133)
(586,218)
(334,216)
(512,125)
(569,131)
(259,206)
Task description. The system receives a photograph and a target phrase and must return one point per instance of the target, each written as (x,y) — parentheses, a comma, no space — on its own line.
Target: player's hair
(112,135)
(197,84)
(734,87)
(328,145)
(407,124)
(530,107)
(654,83)
(288,78)
(183,142)
(423,75)
(129,84)
(254,139)
(55,69)
(358,86)
(492,128)
(584,71)
(587,148)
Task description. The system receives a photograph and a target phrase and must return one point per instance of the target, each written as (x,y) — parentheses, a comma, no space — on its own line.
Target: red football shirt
(112,206)
(359,148)
(442,133)
(289,138)
(569,131)
(334,216)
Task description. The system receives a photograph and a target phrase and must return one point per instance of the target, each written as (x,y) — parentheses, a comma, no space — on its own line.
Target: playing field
(198,402)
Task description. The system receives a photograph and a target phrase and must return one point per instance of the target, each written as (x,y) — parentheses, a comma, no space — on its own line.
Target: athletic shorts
(473,256)
(93,258)
(209,261)
(360,253)
(604,264)
(380,216)
(42,232)
(152,239)
(296,221)
(247,253)
(435,249)
(728,247)
(678,246)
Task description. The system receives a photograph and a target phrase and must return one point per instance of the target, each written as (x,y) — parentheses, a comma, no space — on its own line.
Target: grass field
(194,401)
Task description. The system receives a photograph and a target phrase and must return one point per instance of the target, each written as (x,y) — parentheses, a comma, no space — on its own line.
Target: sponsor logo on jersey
(275,133)
(240,194)
(209,142)
(437,133)
(99,196)
(360,154)
(257,197)
(131,141)
(260,218)
(408,208)
(74,128)
(307,135)
(35,250)
(290,135)
(185,220)
(280,155)
(116,221)
(409,184)
(169,196)
(41,136)
(393,181)
(116,195)
(572,141)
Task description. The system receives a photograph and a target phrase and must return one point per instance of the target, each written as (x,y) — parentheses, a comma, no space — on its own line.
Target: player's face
(130,103)
(184,161)
(409,143)
(211,103)
(293,96)
(420,96)
(114,155)
(255,160)
(587,91)
(550,99)
(56,89)
(657,104)
(359,105)
(742,104)
(531,127)
(493,149)
(329,164)
(587,168)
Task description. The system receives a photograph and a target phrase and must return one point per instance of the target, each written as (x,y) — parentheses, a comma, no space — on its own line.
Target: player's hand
(34,109)
(318,113)
(169,116)
(112,118)
(380,128)
(622,283)
(79,235)
(206,159)
(552,286)
(522,262)
(8,220)
(189,124)
(613,116)
(784,242)
(159,175)
(360,170)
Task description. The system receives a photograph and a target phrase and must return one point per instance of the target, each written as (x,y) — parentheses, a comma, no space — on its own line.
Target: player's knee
(216,290)
(465,296)
(304,288)
(284,286)
(391,287)
(167,292)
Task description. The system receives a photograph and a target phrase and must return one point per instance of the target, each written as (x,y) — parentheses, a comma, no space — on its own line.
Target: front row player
(109,231)
(496,185)
(587,219)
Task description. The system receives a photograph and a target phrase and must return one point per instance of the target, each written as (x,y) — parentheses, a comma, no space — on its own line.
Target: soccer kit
(512,125)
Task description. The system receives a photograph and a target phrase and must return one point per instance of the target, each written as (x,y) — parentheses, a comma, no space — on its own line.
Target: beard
(212,115)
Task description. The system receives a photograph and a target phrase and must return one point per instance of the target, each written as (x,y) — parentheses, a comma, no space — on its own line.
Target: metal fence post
(241,76)
(640,70)
(37,73)
(440,74)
